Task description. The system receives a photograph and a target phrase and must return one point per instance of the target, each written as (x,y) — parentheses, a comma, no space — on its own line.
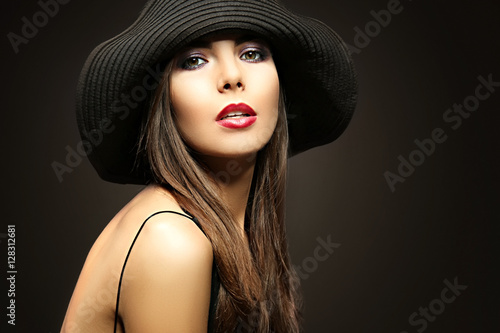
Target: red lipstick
(236,116)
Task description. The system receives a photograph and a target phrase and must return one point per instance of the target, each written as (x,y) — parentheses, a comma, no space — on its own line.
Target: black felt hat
(120,75)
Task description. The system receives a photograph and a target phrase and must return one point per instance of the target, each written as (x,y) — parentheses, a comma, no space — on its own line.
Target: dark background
(397,247)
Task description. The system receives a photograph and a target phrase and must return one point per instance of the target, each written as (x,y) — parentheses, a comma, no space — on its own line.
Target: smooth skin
(207,78)
(166,285)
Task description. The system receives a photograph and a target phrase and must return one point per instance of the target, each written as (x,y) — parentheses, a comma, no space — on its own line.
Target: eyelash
(261,56)
(184,64)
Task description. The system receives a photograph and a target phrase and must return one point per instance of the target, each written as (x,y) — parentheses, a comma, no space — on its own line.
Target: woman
(198,99)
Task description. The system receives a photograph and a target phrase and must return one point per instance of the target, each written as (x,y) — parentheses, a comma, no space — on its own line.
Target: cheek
(266,94)
(270,92)
(187,98)
(181,99)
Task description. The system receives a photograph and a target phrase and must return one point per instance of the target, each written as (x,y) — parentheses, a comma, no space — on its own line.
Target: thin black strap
(130,250)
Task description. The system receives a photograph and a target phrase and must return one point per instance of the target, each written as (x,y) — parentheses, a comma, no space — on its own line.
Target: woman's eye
(193,63)
(253,56)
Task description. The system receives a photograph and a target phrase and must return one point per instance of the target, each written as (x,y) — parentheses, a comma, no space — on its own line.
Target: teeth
(235,114)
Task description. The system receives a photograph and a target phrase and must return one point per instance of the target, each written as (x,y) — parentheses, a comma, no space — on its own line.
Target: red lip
(236,122)
(234,108)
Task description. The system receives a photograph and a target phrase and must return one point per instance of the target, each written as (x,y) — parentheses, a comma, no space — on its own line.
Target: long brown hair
(267,300)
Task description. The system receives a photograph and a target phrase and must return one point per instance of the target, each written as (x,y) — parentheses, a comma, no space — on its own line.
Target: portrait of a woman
(192,166)
(244,85)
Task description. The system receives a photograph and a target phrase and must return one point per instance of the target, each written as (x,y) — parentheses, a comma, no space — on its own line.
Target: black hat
(120,75)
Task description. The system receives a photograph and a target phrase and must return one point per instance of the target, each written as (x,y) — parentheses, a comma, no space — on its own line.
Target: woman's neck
(234,176)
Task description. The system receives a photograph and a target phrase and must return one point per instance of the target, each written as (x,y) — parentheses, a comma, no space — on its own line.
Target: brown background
(396,248)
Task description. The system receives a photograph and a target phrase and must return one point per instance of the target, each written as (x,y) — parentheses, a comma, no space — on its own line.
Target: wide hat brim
(120,75)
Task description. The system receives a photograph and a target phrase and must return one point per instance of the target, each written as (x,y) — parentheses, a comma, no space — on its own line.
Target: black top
(214,292)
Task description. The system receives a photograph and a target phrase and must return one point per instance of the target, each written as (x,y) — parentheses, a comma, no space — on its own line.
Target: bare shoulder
(164,234)
(169,236)
(166,278)
(168,274)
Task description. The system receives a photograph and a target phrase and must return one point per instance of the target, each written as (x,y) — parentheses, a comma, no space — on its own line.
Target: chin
(232,154)
(235,147)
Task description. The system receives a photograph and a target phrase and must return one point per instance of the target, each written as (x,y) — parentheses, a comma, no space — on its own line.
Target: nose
(231,76)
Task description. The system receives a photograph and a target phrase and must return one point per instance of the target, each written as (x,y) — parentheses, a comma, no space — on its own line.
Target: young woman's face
(225,95)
